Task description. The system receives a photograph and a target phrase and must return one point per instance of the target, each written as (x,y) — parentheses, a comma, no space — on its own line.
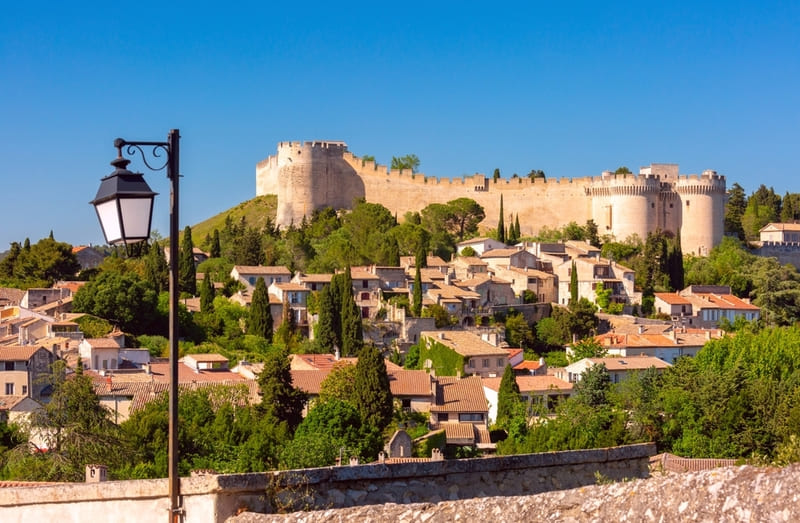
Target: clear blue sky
(570,88)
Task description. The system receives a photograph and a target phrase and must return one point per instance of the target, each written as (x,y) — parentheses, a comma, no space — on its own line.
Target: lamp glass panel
(136,213)
(109,219)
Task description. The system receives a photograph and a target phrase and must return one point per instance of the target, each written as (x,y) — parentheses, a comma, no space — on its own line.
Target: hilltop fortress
(312,175)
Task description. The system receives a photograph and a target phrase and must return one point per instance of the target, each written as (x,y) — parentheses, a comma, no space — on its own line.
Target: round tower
(702,203)
(625,204)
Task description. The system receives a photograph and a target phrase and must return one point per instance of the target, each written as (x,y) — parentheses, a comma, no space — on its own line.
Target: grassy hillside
(255,213)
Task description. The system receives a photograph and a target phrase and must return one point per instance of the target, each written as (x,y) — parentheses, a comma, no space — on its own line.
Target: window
(470,416)
(485,363)
(9,389)
(252,280)
(471,364)
(443,416)
(364,284)
(500,362)
(24,389)
(364,296)
(9,365)
(687,203)
(406,404)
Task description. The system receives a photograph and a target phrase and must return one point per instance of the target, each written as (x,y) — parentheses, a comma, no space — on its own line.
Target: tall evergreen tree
(259,322)
(573,284)
(371,388)
(207,294)
(156,269)
(187,277)
(351,328)
(508,397)
(501,224)
(675,269)
(279,398)
(325,330)
(416,306)
(215,251)
(517,232)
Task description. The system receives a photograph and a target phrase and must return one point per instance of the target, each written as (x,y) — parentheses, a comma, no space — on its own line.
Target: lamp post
(124,205)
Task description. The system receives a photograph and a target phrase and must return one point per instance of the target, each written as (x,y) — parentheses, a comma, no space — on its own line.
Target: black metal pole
(173,173)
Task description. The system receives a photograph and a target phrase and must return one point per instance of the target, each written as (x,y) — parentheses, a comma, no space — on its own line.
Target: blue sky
(570,88)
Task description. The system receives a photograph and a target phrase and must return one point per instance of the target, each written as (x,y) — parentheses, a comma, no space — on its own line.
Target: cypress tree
(207,294)
(279,398)
(260,320)
(501,224)
(352,333)
(215,250)
(416,307)
(517,233)
(573,284)
(371,388)
(508,397)
(156,270)
(325,329)
(187,278)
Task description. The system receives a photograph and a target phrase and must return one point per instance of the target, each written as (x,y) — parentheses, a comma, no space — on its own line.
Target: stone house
(542,284)
(467,267)
(711,303)
(668,346)
(480,245)
(366,291)
(592,272)
(431,262)
(100,353)
(23,370)
(294,296)
(511,257)
(780,233)
(492,291)
(480,357)
(313,282)
(461,409)
(37,297)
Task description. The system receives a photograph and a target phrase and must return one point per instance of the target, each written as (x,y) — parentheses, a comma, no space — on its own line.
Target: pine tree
(508,397)
(279,398)
(259,322)
(573,284)
(207,294)
(187,278)
(325,329)
(371,388)
(501,224)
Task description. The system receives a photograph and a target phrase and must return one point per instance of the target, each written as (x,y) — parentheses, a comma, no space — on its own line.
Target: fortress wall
(311,175)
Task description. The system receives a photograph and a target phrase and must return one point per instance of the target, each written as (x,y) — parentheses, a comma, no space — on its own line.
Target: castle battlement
(314,174)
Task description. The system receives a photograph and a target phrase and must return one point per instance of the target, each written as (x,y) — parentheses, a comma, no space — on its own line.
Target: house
(10,296)
(198,255)
(23,370)
(17,409)
(431,262)
(492,291)
(100,353)
(475,354)
(543,285)
(461,409)
(668,346)
(619,368)
(672,304)
(458,301)
(247,275)
(480,245)
(37,297)
(545,391)
(593,271)
(313,282)
(466,267)
(366,291)
(510,257)
(530,368)
(780,233)
(295,297)
(711,303)
(199,362)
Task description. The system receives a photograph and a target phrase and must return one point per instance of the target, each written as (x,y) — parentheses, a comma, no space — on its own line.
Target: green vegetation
(445,361)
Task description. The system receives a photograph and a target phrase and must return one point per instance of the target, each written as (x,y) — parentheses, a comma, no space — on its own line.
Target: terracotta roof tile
(459,395)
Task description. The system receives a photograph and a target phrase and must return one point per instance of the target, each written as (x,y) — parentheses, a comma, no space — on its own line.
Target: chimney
(96,473)
(708,335)
(641,329)
(336,353)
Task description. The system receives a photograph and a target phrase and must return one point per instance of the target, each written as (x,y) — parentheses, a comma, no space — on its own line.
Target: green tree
(587,348)
(207,294)
(339,383)
(122,298)
(328,325)
(734,210)
(371,384)
(622,170)
(40,264)
(156,269)
(408,162)
(465,214)
(602,296)
(573,283)
(508,397)
(260,321)
(536,173)
(594,386)
(215,250)
(187,277)
(416,307)
(279,398)
(518,332)
(350,315)
(76,429)
(496,175)
(501,224)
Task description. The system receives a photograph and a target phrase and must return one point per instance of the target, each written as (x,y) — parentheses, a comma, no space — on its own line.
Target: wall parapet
(215,498)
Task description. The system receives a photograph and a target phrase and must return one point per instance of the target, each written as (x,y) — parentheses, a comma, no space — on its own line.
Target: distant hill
(255,214)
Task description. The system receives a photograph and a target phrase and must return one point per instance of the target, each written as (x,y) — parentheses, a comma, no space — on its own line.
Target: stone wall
(214,498)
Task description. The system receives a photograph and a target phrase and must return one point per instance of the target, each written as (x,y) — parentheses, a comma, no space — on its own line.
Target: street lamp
(124,205)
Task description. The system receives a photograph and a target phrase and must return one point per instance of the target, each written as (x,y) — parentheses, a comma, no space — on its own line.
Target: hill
(255,213)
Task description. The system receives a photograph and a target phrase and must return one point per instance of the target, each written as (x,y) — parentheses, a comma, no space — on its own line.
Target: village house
(543,391)
(37,297)
(313,282)
(591,273)
(295,297)
(23,370)
(480,245)
(247,275)
(704,306)
(479,356)
(366,291)
(543,285)
(668,346)
(619,368)
(409,263)
(468,267)
(461,409)
(491,290)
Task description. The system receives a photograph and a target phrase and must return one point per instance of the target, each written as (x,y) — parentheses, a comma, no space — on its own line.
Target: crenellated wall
(311,175)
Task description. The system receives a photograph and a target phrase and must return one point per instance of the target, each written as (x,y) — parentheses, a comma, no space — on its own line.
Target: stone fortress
(307,176)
